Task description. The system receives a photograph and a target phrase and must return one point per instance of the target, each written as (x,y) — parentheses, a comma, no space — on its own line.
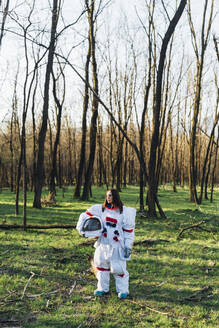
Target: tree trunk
(39,179)
(102,171)
(215,166)
(60,177)
(24,183)
(34,135)
(93,127)
(18,179)
(198,87)
(59,104)
(208,169)
(152,182)
(125,165)
(5,14)
(206,159)
(12,136)
(172,164)
(84,127)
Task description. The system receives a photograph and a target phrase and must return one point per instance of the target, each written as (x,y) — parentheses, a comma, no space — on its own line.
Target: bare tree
(152,181)
(84,125)
(207,157)
(143,171)
(95,103)
(200,55)
(26,99)
(42,134)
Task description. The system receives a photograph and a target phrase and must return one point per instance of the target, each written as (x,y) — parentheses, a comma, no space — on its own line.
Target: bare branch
(70,25)
(194,40)
(216,46)
(165,10)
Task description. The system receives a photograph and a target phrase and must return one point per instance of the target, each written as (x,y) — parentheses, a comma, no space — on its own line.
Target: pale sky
(12,49)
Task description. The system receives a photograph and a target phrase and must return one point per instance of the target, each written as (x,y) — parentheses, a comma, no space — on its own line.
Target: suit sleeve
(129,226)
(81,221)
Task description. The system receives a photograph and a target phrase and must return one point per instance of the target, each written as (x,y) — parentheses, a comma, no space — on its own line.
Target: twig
(72,288)
(149,308)
(34,295)
(197,225)
(162,283)
(25,287)
(8,250)
(37,295)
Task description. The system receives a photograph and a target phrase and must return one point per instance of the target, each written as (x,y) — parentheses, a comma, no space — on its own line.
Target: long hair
(116,200)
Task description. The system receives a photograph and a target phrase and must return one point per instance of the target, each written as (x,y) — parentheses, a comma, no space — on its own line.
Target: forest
(99,95)
(89,100)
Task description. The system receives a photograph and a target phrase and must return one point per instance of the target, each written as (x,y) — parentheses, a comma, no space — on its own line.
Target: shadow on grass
(172,297)
(44,323)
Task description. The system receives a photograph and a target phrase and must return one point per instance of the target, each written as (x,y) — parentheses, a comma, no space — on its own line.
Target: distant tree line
(107,171)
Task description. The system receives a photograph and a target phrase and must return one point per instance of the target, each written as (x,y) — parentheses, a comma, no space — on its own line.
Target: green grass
(164,271)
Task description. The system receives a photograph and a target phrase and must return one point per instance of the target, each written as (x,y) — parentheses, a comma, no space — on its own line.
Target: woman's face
(109,197)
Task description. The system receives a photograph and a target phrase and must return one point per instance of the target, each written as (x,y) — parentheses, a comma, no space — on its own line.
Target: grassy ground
(45,278)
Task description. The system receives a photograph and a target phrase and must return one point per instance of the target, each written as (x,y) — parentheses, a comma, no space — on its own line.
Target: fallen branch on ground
(72,288)
(149,308)
(25,287)
(8,250)
(194,226)
(46,293)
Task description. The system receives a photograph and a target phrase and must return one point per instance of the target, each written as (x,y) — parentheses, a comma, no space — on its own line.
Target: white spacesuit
(113,246)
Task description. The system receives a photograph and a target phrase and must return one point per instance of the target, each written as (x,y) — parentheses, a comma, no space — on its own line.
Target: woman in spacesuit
(114,243)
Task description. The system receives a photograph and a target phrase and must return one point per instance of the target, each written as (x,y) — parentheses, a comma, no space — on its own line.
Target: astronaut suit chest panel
(112,222)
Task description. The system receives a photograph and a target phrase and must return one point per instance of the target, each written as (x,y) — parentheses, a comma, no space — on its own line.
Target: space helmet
(92,227)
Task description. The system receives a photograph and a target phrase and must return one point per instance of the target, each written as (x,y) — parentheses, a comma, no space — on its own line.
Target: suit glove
(127,252)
